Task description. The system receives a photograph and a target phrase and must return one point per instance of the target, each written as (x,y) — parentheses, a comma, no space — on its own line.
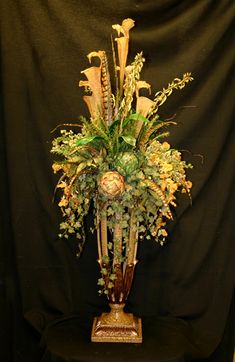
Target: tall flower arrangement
(118,162)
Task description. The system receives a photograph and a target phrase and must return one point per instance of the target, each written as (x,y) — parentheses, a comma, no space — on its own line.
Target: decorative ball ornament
(112,184)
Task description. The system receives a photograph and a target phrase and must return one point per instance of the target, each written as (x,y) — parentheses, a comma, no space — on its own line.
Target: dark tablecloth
(164,340)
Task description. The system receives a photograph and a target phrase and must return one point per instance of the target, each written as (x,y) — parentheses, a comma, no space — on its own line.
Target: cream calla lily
(123,46)
(127,24)
(93,82)
(98,54)
(143,104)
(142,84)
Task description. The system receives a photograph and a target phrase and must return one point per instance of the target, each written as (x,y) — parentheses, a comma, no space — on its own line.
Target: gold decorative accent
(112,184)
(117,326)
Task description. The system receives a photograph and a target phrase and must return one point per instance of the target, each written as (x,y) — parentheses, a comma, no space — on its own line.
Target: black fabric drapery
(43,49)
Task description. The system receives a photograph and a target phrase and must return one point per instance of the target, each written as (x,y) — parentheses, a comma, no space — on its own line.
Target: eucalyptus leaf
(134,117)
(130,140)
(114,125)
(89,139)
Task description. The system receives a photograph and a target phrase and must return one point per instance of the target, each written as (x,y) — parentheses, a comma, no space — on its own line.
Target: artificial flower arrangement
(118,165)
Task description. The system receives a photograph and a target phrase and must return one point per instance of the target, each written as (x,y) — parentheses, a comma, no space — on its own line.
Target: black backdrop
(44,47)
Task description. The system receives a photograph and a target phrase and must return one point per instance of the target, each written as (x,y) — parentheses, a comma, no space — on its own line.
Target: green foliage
(128,139)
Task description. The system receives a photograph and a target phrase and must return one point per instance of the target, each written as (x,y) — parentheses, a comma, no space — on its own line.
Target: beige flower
(166,167)
(189,184)
(172,186)
(153,159)
(63,202)
(56,167)
(166,146)
(61,185)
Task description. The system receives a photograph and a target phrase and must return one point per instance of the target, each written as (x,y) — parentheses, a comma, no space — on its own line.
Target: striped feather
(106,88)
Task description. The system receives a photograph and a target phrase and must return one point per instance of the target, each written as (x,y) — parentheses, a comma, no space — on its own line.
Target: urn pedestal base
(117,326)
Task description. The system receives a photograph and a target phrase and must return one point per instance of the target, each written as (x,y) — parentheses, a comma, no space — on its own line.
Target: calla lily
(142,84)
(143,104)
(123,46)
(93,82)
(91,105)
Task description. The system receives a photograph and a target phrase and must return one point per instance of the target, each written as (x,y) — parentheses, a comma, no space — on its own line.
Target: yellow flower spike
(132,75)
(161,96)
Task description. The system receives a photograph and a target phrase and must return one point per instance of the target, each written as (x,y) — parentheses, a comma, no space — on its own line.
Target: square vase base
(126,328)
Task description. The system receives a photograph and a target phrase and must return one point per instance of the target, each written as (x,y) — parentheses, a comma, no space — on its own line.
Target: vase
(117,325)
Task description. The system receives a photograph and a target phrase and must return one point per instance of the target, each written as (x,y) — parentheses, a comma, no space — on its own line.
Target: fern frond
(150,129)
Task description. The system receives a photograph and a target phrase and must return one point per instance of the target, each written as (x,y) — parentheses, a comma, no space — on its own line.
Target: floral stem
(104,237)
(98,238)
(117,239)
(132,239)
(117,261)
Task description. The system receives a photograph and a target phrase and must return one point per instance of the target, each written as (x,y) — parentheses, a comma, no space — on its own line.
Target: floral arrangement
(118,162)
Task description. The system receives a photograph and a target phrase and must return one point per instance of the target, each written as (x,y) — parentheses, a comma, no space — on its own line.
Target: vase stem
(98,239)
(132,245)
(117,240)
(104,236)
